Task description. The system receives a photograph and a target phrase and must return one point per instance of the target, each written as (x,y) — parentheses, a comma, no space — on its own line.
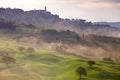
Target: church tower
(45,8)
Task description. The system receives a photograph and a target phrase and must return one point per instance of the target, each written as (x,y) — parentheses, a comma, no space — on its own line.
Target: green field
(54,48)
(48,65)
(51,65)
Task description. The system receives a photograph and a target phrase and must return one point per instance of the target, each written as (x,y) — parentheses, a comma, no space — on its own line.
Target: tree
(77,38)
(21,49)
(81,71)
(2,53)
(91,63)
(30,50)
(7,51)
(7,60)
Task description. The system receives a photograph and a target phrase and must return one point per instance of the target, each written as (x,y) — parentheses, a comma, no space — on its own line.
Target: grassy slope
(49,65)
(45,65)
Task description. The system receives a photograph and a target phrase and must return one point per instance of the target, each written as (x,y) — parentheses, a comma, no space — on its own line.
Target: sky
(91,10)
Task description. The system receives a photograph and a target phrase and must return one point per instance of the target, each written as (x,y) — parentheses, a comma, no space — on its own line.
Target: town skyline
(91,10)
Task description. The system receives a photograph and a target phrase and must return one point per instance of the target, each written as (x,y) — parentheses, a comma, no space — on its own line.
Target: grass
(50,65)
(47,66)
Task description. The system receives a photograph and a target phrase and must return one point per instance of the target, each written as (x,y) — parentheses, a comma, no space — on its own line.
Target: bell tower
(45,8)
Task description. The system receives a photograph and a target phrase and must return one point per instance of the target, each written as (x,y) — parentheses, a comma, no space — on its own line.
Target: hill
(50,65)
(67,41)
(45,19)
(56,53)
(114,24)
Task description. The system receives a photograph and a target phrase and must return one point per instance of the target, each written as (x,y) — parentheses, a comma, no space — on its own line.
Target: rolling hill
(57,47)
(114,24)
(45,19)
(51,65)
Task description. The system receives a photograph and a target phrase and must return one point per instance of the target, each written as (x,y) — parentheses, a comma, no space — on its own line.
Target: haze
(91,10)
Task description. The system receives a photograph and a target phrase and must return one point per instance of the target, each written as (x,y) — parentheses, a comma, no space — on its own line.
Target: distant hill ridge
(45,19)
(33,16)
(114,24)
(41,18)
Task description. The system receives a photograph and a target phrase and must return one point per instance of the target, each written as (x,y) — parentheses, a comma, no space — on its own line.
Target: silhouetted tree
(91,63)
(81,71)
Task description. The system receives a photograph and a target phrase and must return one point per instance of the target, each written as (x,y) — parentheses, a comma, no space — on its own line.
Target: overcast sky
(91,10)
